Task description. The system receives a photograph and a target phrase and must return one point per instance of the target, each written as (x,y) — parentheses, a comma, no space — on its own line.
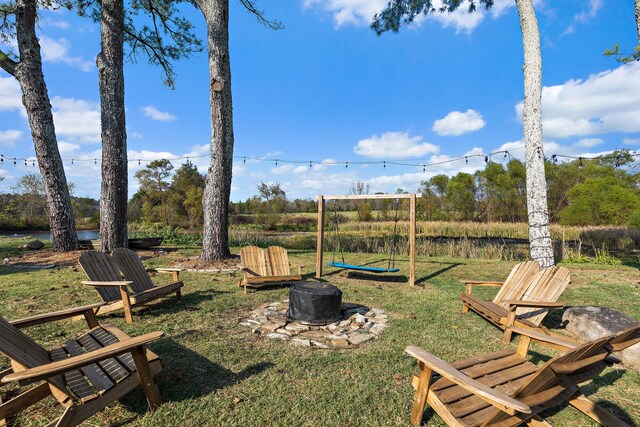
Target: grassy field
(219,374)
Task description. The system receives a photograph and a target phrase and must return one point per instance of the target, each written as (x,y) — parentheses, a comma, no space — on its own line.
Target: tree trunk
(35,98)
(539,230)
(215,201)
(637,6)
(114,189)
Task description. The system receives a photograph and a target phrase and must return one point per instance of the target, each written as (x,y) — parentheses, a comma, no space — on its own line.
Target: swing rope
(337,245)
(394,245)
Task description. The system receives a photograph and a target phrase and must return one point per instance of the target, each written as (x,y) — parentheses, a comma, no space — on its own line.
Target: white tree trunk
(637,6)
(539,231)
(215,201)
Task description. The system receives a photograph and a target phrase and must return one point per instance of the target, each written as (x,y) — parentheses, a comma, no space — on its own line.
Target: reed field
(497,240)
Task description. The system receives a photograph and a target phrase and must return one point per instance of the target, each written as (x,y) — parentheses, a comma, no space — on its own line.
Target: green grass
(218,374)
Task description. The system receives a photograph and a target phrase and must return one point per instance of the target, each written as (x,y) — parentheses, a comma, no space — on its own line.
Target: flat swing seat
(363,268)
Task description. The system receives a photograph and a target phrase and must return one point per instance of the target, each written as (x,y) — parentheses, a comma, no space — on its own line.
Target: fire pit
(314,303)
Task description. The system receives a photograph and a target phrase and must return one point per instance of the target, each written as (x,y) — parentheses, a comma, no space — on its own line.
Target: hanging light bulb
(276,162)
(580,163)
(33,163)
(466,159)
(384,164)
(424,168)
(95,161)
(14,161)
(310,162)
(346,165)
(138,162)
(244,160)
(486,159)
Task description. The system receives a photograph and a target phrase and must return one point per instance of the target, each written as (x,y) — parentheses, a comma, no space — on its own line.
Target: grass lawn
(219,374)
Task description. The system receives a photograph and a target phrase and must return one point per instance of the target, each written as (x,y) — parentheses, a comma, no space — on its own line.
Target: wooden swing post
(412,227)
(319,244)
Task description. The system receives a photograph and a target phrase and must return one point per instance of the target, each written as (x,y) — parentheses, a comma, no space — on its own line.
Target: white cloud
(273,153)
(8,138)
(461,20)
(10,95)
(590,12)
(589,142)
(155,114)
(57,51)
(300,169)
(605,102)
(280,170)
(354,12)
(67,147)
(136,135)
(457,123)
(76,118)
(394,145)
(631,141)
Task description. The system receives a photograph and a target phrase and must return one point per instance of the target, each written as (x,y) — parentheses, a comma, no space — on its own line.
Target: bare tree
(27,69)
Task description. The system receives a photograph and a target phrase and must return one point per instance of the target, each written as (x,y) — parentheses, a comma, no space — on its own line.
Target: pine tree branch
(8,64)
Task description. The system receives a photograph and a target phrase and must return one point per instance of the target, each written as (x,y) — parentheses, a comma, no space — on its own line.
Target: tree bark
(637,7)
(35,98)
(215,201)
(539,230)
(114,188)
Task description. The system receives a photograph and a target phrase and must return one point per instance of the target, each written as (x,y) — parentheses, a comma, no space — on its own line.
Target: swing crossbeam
(363,268)
(412,234)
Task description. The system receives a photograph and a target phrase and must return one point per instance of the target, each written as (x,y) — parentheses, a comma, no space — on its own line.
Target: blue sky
(326,88)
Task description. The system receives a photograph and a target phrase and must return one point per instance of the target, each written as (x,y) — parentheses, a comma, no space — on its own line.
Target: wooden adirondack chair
(112,276)
(85,375)
(504,389)
(523,300)
(270,267)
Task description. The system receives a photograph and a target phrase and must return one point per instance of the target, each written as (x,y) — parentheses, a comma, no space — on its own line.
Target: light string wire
(488,157)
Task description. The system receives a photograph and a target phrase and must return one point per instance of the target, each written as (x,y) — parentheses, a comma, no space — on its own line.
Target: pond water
(46,235)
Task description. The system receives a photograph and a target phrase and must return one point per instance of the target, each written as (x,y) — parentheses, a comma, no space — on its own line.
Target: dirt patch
(195,263)
(46,257)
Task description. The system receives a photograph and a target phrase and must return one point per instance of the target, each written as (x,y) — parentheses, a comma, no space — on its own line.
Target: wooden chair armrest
(518,303)
(164,270)
(242,267)
(481,282)
(75,362)
(498,399)
(55,315)
(567,343)
(115,284)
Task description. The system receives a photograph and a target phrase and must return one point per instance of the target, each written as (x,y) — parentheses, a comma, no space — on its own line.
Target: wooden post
(412,241)
(319,247)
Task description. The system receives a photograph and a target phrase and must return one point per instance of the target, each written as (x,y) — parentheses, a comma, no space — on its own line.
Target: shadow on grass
(189,375)
(449,266)
(592,387)
(170,305)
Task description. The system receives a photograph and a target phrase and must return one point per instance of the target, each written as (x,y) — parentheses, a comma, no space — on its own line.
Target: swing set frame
(412,227)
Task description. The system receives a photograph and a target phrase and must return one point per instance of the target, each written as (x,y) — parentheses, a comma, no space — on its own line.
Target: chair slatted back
(253,258)
(560,375)
(517,282)
(278,261)
(28,353)
(99,267)
(132,269)
(546,286)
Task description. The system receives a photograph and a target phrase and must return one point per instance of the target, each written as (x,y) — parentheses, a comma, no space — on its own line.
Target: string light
(580,164)
(616,159)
